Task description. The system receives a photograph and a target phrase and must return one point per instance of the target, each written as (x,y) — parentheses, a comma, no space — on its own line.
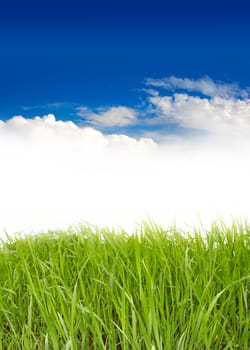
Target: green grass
(94,289)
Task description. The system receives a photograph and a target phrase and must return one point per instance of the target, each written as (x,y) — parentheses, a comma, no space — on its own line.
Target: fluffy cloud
(205,85)
(216,115)
(221,109)
(55,173)
(114,116)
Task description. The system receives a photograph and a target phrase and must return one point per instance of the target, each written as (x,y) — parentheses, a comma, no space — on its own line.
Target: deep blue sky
(98,53)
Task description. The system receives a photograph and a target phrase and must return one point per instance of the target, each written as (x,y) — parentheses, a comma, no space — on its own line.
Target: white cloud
(205,85)
(55,173)
(216,115)
(114,116)
(225,110)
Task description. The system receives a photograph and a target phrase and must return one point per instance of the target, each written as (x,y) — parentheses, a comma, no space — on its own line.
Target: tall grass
(95,289)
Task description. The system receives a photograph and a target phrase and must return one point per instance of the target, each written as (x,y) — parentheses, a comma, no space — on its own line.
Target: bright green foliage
(95,289)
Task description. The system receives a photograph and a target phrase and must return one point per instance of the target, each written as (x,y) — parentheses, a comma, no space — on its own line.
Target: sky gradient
(98,54)
(114,112)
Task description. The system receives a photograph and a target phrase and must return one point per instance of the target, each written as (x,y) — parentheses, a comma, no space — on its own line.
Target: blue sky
(113,112)
(99,53)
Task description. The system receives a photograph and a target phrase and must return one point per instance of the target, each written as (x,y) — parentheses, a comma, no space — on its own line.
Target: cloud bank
(56,173)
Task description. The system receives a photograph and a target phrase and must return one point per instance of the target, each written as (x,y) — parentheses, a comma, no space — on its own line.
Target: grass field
(95,289)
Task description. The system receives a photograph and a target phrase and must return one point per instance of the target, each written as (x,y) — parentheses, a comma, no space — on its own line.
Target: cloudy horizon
(113,113)
(180,156)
